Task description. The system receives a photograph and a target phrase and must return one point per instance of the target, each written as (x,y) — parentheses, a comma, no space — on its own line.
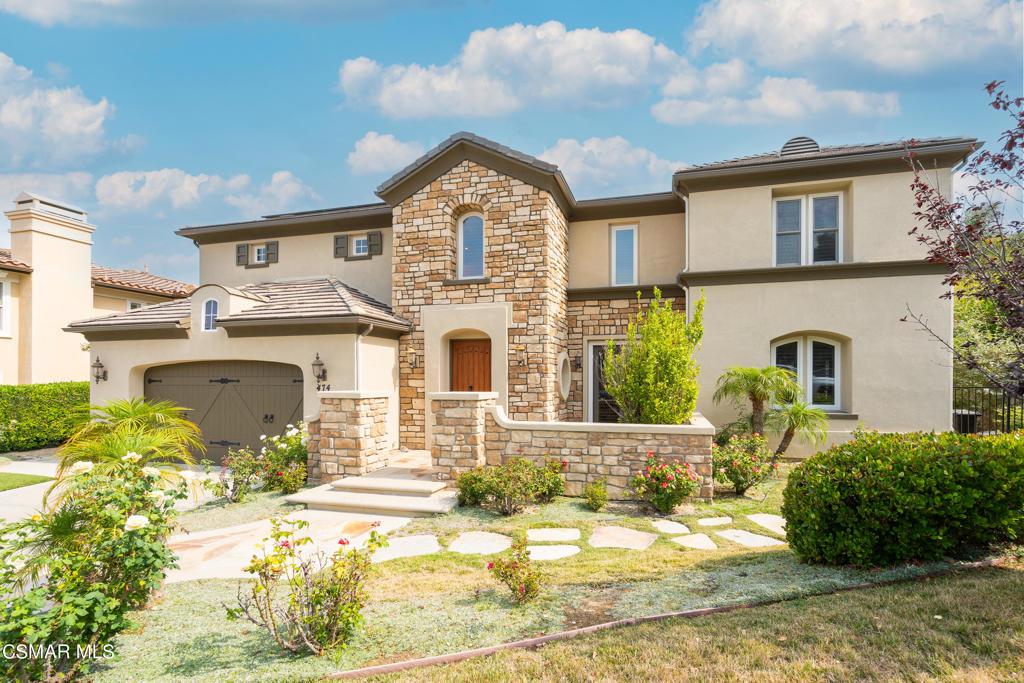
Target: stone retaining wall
(351,436)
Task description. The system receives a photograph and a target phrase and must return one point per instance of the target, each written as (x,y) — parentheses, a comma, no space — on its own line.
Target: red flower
(565,464)
(670,477)
(285,544)
(755,469)
(650,454)
(343,541)
(664,484)
(735,464)
(490,565)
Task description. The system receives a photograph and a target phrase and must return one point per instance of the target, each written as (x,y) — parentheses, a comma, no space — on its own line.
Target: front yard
(445,602)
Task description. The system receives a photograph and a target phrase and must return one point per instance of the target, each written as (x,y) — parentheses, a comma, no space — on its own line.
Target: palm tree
(761,386)
(59,528)
(798,417)
(136,415)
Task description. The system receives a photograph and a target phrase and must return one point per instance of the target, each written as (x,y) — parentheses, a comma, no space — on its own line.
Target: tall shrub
(39,415)
(653,375)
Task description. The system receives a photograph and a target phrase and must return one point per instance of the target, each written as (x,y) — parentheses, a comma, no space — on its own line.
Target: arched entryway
(470,364)
(233,402)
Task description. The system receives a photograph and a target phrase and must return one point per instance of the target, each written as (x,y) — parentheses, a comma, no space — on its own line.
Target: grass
(11,480)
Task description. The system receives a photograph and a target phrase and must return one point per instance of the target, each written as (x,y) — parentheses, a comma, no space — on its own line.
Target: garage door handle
(224,443)
(224,380)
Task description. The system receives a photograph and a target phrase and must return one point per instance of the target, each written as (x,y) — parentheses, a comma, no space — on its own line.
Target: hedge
(39,415)
(886,499)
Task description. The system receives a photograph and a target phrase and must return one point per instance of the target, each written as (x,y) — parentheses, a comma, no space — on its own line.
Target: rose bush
(664,485)
(509,487)
(743,461)
(517,572)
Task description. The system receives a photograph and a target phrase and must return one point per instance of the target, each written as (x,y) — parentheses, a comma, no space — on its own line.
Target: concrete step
(326,497)
(389,485)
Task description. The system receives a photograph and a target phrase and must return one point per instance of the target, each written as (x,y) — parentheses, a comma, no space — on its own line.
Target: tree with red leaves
(979,235)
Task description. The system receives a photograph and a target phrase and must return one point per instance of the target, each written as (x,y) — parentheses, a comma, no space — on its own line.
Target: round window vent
(799,146)
(564,375)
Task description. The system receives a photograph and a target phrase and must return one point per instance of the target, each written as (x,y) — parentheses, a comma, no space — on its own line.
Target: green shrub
(550,482)
(885,499)
(472,486)
(664,485)
(39,415)
(744,461)
(285,459)
(595,494)
(518,573)
(243,469)
(511,486)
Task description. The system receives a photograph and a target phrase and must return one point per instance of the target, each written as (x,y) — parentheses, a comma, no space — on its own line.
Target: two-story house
(47,278)
(480,271)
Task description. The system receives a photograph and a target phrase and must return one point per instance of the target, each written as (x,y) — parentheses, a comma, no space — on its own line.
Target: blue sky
(152,115)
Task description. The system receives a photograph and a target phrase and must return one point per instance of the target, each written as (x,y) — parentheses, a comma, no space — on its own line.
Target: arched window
(815,362)
(471,246)
(210,315)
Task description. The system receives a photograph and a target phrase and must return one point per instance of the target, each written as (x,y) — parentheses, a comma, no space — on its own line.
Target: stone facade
(350,438)
(614,452)
(592,320)
(526,237)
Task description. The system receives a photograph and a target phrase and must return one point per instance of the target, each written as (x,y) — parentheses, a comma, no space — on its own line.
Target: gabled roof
(139,281)
(7,262)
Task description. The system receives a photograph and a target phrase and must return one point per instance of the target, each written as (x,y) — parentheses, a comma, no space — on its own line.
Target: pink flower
(284,544)
(755,469)
(650,454)
(670,477)
(342,541)
(664,484)
(735,464)
(565,464)
(490,565)
(753,457)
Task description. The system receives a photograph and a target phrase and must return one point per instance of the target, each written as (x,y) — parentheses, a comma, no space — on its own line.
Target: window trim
(807,228)
(216,312)
(5,308)
(459,265)
(805,345)
(128,305)
(256,260)
(588,381)
(635,228)
(354,241)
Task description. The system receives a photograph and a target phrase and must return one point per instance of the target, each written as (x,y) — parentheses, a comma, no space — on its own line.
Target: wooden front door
(471,365)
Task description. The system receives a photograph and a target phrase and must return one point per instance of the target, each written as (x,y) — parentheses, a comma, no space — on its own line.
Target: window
(210,315)
(259,253)
(135,305)
(808,229)
(5,309)
(815,362)
(360,246)
(624,255)
(471,247)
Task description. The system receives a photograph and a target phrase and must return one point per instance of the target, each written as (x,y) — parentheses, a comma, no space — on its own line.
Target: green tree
(135,415)
(798,418)
(762,387)
(653,375)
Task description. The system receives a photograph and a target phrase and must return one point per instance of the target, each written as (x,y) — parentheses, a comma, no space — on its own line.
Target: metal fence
(986,409)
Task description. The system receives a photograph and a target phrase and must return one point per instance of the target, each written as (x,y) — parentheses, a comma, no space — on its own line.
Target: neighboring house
(479,271)
(47,279)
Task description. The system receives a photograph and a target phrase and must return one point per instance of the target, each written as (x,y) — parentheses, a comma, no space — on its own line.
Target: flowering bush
(509,487)
(596,494)
(517,572)
(243,469)
(664,485)
(284,458)
(743,461)
(71,576)
(311,602)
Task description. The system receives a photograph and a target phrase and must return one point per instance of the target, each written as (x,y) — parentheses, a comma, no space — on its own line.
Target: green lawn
(11,480)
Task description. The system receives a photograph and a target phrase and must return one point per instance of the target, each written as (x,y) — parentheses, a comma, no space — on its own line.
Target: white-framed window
(259,253)
(5,309)
(815,362)
(471,246)
(361,246)
(134,305)
(807,229)
(624,252)
(210,315)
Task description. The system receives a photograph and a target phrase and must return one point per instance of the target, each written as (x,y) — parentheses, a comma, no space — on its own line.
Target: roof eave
(311,321)
(366,216)
(15,269)
(140,290)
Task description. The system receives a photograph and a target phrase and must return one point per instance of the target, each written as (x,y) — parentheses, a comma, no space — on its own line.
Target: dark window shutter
(340,246)
(271,252)
(375,242)
(241,254)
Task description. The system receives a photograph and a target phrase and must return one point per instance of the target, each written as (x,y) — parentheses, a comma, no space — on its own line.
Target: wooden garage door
(233,402)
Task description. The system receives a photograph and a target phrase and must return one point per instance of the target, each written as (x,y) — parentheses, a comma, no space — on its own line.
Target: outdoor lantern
(319,371)
(99,371)
(577,363)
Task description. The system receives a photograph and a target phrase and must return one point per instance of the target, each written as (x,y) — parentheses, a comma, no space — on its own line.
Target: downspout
(686,238)
(359,338)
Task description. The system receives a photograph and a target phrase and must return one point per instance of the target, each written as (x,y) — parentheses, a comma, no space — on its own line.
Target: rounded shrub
(886,499)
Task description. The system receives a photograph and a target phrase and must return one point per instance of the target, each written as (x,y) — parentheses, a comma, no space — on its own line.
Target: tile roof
(140,281)
(8,263)
(297,300)
(835,151)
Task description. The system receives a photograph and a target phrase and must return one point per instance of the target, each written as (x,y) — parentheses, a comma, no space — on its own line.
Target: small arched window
(815,362)
(471,246)
(210,315)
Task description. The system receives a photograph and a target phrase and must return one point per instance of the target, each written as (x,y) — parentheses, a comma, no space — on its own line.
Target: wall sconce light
(99,371)
(577,363)
(319,370)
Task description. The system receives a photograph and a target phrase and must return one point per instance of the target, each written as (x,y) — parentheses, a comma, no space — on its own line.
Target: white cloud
(123,241)
(135,190)
(283,192)
(376,153)
(502,70)
(599,165)
(74,188)
(776,100)
(902,36)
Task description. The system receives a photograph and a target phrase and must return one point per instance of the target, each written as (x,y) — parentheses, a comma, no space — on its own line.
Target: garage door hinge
(224,443)
(224,380)
(150,380)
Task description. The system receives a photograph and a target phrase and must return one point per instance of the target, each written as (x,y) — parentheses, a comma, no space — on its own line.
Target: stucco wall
(106,300)
(894,377)
(301,256)
(661,248)
(9,341)
(379,372)
(732,228)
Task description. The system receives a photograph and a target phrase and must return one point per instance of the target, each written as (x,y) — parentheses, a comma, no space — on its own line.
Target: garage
(233,402)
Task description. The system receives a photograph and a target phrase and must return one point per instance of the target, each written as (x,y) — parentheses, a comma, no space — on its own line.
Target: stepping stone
(748,539)
(480,543)
(770,522)
(551,552)
(667,526)
(695,541)
(620,537)
(714,521)
(407,546)
(553,534)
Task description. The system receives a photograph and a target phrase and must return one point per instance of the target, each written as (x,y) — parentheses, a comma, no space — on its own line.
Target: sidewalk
(21,503)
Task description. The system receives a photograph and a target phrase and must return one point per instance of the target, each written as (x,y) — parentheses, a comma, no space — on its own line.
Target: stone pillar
(351,435)
(458,431)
